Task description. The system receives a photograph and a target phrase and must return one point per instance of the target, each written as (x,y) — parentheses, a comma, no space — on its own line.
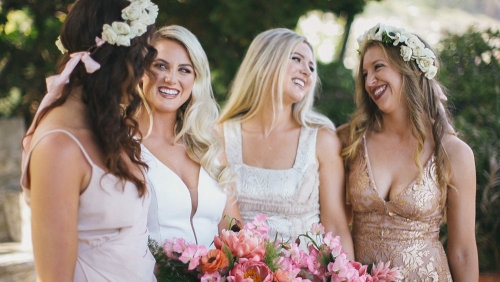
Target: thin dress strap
(28,156)
(233,141)
(306,149)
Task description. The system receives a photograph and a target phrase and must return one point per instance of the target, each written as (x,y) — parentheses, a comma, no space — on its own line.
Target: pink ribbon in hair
(55,82)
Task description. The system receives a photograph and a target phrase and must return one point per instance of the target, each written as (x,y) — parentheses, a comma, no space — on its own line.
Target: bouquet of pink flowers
(328,262)
(242,254)
(248,254)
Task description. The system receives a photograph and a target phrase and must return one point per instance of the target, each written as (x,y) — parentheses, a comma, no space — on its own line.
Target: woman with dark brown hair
(82,172)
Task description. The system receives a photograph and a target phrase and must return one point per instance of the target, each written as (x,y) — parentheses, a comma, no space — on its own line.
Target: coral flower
(244,244)
(251,271)
(213,261)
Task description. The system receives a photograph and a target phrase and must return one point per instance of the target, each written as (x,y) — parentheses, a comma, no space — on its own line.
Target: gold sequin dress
(403,230)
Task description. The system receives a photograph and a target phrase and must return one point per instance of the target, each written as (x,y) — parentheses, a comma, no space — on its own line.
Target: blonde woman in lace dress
(286,156)
(406,167)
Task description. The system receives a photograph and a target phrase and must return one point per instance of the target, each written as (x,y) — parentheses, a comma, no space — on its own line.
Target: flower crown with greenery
(412,48)
(137,16)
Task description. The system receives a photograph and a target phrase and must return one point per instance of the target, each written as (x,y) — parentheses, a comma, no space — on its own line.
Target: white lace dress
(289,197)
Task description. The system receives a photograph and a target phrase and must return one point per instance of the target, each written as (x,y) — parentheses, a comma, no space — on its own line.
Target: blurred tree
(471,68)
(225,28)
(28,30)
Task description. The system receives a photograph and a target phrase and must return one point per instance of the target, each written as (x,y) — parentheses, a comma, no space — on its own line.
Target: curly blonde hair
(422,97)
(197,117)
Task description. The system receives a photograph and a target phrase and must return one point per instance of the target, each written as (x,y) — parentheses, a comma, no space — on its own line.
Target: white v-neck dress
(169,213)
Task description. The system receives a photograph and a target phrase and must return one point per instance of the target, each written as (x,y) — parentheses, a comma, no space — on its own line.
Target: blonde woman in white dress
(190,187)
(286,156)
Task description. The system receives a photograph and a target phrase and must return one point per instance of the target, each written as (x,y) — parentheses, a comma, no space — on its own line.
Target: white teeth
(380,90)
(168,91)
(299,82)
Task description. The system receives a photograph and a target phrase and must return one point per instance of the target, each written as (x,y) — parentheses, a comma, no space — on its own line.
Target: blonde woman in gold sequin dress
(406,168)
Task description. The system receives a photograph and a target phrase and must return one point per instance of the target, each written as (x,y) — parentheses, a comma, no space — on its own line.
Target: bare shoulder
(457,150)
(327,142)
(60,147)
(343,133)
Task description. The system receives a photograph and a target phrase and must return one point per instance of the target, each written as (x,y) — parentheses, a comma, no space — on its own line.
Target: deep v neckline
(174,173)
(372,178)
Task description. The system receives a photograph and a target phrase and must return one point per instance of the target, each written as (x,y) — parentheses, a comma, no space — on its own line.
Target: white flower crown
(137,16)
(411,46)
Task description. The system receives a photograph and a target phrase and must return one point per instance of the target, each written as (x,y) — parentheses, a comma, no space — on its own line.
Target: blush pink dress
(404,230)
(112,233)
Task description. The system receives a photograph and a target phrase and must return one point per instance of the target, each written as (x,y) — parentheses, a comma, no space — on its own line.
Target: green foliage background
(470,70)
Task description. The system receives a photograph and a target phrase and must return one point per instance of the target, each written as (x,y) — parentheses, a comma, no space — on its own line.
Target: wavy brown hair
(104,91)
(422,97)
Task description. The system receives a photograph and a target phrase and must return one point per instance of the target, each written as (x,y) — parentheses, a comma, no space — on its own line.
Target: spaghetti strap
(233,141)
(28,155)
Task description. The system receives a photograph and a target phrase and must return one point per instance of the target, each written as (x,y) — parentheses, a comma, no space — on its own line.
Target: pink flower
(382,273)
(251,271)
(244,244)
(317,229)
(193,254)
(297,255)
(211,277)
(282,276)
(174,248)
(340,266)
(168,248)
(333,243)
(179,245)
(313,264)
(258,225)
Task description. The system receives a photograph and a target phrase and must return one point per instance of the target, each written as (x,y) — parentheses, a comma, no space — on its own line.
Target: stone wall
(11,219)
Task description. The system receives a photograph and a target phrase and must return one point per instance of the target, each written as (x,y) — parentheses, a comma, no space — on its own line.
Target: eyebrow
(297,53)
(166,62)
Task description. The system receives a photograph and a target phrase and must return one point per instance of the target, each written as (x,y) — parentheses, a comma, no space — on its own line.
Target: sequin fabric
(403,230)
(289,197)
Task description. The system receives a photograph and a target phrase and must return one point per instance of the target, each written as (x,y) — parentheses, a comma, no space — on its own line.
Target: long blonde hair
(422,97)
(197,117)
(262,73)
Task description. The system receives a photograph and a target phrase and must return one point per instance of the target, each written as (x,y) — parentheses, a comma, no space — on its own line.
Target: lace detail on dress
(289,197)
(404,230)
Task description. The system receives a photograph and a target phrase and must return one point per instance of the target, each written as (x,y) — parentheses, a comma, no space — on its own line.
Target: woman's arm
(58,172)
(231,210)
(331,188)
(461,212)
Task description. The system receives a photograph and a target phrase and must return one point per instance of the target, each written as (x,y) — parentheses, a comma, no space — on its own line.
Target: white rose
(152,16)
(424,63)
(122,40)
(144,3)
(132,12)
(400,37)
(145,18)
(137,28)
(416,45)
(361,41)
(406,53)
(428,53)
(60,45)
(431,73)
(120,27)
(108,34)
(153,8)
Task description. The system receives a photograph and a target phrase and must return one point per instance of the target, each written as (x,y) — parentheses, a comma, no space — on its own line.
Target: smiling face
(299,75)
(382,81)
(174,80)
